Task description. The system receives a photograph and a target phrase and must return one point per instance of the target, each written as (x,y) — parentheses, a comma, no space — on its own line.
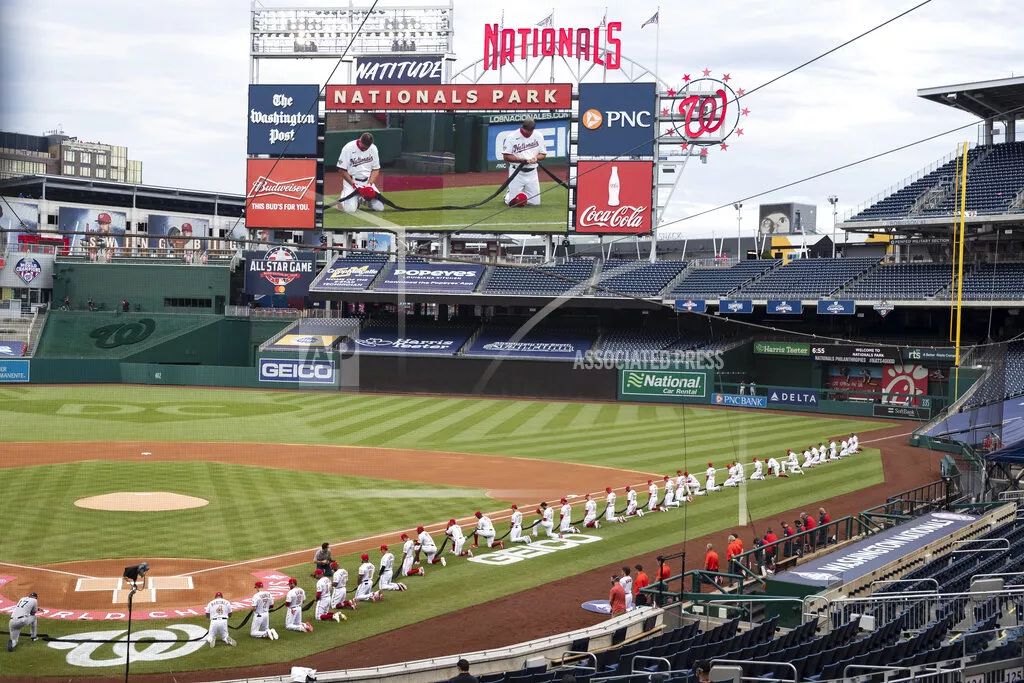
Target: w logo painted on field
(634,380)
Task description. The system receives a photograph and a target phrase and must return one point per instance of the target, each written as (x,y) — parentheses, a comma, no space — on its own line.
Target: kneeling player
(522,150)
(458,539)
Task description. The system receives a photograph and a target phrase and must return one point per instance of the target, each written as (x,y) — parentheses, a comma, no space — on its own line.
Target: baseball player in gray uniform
(24,614)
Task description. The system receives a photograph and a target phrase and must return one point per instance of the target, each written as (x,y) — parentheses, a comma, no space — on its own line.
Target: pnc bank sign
(616,120)
(600,44)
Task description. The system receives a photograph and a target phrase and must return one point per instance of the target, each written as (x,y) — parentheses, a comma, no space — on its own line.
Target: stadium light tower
(833,200)
(739,230)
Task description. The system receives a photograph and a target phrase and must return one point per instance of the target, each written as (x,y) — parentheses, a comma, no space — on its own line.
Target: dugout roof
(982,98)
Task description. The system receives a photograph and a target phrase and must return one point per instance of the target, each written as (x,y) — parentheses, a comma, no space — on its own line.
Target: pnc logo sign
(592,119)
(616,119)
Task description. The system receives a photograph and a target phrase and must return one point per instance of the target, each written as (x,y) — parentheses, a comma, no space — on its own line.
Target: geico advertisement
(296,370)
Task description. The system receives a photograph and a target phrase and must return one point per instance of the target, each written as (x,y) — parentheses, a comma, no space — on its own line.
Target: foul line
(42,569)
(891,436)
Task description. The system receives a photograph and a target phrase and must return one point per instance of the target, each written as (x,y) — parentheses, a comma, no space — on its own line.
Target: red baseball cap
(405,537)
(650,481)
(686,474)
(514,506)
(318,572)
(710,465)
(219,595)
(258,584)
(186,227)
(334,565)
(607,489)
(564,500)
(384,548)
(679,471)
(103,218)
(419,529)
(451,522)
(292,582)
(627,488)
(478,513)
(666,477)
(364,557)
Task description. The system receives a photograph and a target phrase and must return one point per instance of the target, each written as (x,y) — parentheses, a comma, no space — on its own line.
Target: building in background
(55,153)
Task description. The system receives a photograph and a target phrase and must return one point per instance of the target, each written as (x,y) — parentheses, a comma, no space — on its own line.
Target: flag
(502,25)
(652,20)
(604,19)
(548,21)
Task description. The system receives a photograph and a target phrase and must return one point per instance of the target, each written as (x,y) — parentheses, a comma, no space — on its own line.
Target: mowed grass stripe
(484,418)
(446,424)
(558,414)
(396,422)
(358,420)
(513,424)
(355,405)
(508,411)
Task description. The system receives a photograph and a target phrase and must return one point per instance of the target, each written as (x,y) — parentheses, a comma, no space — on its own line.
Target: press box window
(188,303)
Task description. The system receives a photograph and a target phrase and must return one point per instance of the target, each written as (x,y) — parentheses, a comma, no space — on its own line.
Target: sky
(168,80)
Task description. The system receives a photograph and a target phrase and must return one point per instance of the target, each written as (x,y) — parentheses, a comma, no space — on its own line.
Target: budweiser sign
(621,219)
(599,44)
(290,189)
(448,97)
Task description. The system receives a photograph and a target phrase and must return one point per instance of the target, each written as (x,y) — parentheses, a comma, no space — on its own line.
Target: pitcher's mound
(141,501)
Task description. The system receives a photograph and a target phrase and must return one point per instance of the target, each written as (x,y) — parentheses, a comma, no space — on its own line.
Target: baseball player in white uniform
(854,443)
(609,511)
(458,539)
(670,493)
(339,597)
(515,535)
(426,545)
(692,486)
(631,504)
(653,505)
(293,604)
(485,528)
(792,464)
(262,601)
(323,598)
(774,467)
(409,558)
(590,513)
(626,581)
(546,521)
(734,478)
(808,457)
(24,614)
(522,150)
(709,476)
(387,572)
(833,450)
(219,610)
(565,522)
(364,591)
(758,473)
(359,164)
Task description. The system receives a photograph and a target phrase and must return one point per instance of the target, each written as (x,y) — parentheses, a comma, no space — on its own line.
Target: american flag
(548,21)
(604,19)
(652,20)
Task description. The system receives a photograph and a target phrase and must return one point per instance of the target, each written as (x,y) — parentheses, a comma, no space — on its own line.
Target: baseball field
(550,215)
(219,488)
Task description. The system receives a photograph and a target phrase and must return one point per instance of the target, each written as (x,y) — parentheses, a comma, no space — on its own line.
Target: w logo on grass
(634,380)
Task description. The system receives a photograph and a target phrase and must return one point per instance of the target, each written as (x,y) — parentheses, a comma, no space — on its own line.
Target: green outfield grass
(550,216)
(462,584)
(256,512)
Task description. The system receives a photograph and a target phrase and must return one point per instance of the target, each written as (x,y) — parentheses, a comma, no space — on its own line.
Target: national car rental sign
(531,97)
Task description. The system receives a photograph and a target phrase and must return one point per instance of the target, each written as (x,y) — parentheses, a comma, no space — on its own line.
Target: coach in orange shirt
(641,581)
(617,597)
(734,549)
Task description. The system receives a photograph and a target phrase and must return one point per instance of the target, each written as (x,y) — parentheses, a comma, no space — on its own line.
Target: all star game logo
(280,267)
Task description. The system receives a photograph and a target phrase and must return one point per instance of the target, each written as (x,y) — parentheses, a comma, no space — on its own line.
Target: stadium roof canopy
(984,99)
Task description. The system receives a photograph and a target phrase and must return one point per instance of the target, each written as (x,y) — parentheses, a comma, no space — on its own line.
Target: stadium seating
(624,339)
(715,283)
(995,281)
(901,281)
(637,278)
(807,278)
(562,277)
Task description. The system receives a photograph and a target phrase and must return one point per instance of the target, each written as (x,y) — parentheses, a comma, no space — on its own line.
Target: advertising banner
(939,355)
(280,270)
(782,349)
(305,342)
(836,307)
(740,401)
(614,197)
(856,381)
(392,70)
(520,97)
(901,412)
(617,119)
(423,277)
(297,371)
(784,307)
(105,228)
(14,370)
(691,305)
(379,241)
(283,119)
(434,342)
(20,218)
(910,381)
(11,349)
(346,275)
(736,306)
(663,383)
(281,194)
(840,353)
(787,219)
(875,552)
(554,133)
(534,347)
(793,397)
(177,234)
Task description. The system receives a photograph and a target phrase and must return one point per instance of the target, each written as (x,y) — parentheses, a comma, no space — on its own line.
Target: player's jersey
(710,473)
(296,596)
(323,586)
(340,578)
(455,533)
(692,481)
(425,540)
(591,507)
(566,511)
(517,518)
(218,608)
(611,500)
(484,524)
(670,485)
(631,496)
(757,467)
(366,570)
(359,163)
(627,584)
(387,561)
(262,602)
(408,548)
(26,607)
(652,491)
(522,147)
(548,515)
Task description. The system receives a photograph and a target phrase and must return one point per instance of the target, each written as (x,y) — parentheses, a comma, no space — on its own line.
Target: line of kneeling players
(331,586)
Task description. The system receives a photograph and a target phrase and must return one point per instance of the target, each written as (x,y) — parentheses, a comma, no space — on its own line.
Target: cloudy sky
(168,79)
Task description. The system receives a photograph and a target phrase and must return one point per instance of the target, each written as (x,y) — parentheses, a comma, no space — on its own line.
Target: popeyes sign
(448,97)
(505,45)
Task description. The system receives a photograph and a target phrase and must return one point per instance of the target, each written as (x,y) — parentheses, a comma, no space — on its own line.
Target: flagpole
(657,48)
(552,56)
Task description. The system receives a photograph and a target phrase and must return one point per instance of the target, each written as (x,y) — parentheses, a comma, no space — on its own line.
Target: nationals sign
(598,45)
(281,194)
(614,197)
(448,97)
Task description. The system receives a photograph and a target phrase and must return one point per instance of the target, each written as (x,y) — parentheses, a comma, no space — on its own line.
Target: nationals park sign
(448,97)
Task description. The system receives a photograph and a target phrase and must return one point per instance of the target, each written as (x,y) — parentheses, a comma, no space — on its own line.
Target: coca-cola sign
(281,194)
(614,197)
